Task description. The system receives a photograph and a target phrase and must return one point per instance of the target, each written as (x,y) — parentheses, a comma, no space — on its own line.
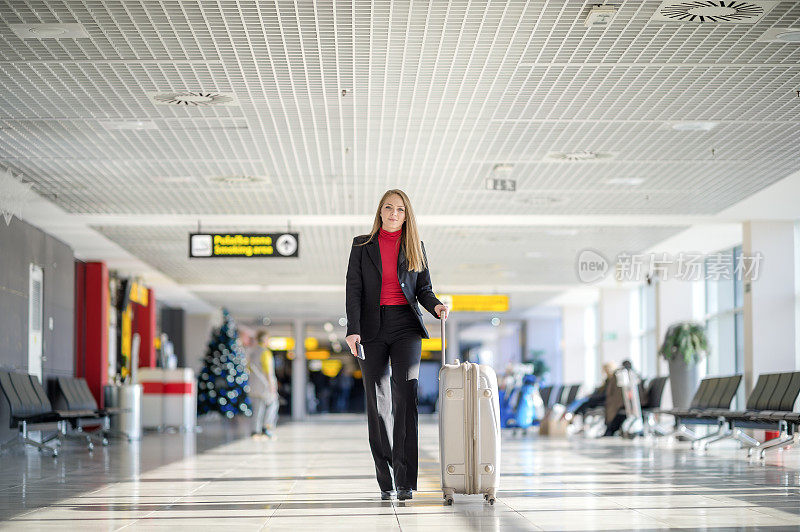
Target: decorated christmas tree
(222,385)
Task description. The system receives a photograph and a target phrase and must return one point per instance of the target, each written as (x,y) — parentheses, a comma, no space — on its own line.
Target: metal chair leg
(784,440)
(23,428)
(713,436)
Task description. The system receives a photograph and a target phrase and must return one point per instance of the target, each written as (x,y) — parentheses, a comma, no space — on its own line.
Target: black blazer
(363,293)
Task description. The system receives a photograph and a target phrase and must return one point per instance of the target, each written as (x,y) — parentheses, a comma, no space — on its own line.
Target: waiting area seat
(73,394)
(770,406)
(28,408)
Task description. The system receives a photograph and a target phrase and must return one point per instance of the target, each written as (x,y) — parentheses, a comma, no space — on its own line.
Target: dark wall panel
(20,245)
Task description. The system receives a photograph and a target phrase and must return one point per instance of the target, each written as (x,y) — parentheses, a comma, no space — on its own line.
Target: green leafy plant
(685,340)
(540,367)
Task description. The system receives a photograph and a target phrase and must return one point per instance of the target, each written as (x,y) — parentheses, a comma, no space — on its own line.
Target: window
(724,319)
(592,368)
(644,338)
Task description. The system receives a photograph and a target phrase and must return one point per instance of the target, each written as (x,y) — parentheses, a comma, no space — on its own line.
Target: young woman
(386,276)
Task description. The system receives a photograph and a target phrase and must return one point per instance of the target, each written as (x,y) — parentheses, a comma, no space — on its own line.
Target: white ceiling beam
(437,220)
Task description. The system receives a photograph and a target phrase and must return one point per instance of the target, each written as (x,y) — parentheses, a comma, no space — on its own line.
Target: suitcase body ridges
(469,430)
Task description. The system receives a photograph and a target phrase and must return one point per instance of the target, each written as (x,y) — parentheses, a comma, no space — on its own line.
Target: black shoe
(387,495)
(403,494)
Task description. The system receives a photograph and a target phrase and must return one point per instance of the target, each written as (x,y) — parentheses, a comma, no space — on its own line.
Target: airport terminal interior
(574,305)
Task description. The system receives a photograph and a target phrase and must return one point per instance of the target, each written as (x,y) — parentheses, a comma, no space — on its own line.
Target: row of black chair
(564,394)
(769,406)
(28,407)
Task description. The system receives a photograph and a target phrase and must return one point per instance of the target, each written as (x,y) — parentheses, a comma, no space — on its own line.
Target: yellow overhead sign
(432,344)
(476,302)
(280,343)
(318,354)
(205,245)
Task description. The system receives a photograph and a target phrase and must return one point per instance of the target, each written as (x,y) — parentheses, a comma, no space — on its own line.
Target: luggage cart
(629,381)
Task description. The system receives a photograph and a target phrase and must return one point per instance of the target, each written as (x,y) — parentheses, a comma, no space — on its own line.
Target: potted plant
(685,345)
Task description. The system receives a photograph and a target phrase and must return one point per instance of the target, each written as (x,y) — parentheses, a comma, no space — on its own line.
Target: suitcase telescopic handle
(444,349)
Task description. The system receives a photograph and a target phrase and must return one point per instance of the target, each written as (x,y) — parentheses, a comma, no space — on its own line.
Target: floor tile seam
(537,527)
(760,508)
(278,506)
(167,505)
(657,520)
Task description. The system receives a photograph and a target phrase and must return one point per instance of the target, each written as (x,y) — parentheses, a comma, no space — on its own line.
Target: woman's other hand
(442,311)
(351,342)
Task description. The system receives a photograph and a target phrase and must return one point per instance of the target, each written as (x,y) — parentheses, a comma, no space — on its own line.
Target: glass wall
(645,331)
(724,318)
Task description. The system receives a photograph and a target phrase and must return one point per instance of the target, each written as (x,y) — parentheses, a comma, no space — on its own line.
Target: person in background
(263,387)
(615,404)
(594,399)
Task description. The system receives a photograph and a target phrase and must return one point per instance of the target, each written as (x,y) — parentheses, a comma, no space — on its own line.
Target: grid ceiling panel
(437,93)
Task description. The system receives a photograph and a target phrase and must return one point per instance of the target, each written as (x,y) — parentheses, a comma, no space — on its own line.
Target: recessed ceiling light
(238,179)
(782,35)
(630,181)
(502,168)
(49,31)
(129,124)
(538,201)
(582,155)
(693,126)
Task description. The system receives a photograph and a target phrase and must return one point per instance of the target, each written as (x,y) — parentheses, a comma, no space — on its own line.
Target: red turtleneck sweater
(389,243)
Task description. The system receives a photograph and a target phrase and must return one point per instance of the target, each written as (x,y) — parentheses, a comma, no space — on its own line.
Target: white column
(299,371)
(578,361)
(770,300)
(615,328)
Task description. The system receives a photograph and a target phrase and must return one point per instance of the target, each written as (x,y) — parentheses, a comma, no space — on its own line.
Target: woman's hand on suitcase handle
(442,311)
(351,343)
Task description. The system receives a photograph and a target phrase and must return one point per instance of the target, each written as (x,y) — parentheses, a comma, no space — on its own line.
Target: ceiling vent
(193,99)
(784,35)
(713,11)
(579,156)
(49,31)
(600,16)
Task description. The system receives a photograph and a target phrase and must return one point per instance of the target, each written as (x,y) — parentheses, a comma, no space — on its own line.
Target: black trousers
(392,398)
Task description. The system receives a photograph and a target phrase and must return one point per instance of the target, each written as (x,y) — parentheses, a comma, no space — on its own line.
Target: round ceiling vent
(579,156)
(193,99)
(714,11)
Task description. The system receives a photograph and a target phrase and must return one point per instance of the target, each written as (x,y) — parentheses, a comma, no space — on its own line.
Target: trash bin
(129,397)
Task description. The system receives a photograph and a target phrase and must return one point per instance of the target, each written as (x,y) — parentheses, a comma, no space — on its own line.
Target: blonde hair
(410,238)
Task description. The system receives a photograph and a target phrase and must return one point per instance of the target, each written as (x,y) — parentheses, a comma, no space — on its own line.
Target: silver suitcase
(469,429)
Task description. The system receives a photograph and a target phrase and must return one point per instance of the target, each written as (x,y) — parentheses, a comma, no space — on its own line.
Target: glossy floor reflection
(319,476)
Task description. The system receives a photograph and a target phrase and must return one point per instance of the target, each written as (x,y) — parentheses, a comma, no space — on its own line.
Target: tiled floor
(319,476)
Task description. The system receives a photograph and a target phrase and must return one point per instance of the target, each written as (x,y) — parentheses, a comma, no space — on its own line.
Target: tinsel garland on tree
(223,382)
